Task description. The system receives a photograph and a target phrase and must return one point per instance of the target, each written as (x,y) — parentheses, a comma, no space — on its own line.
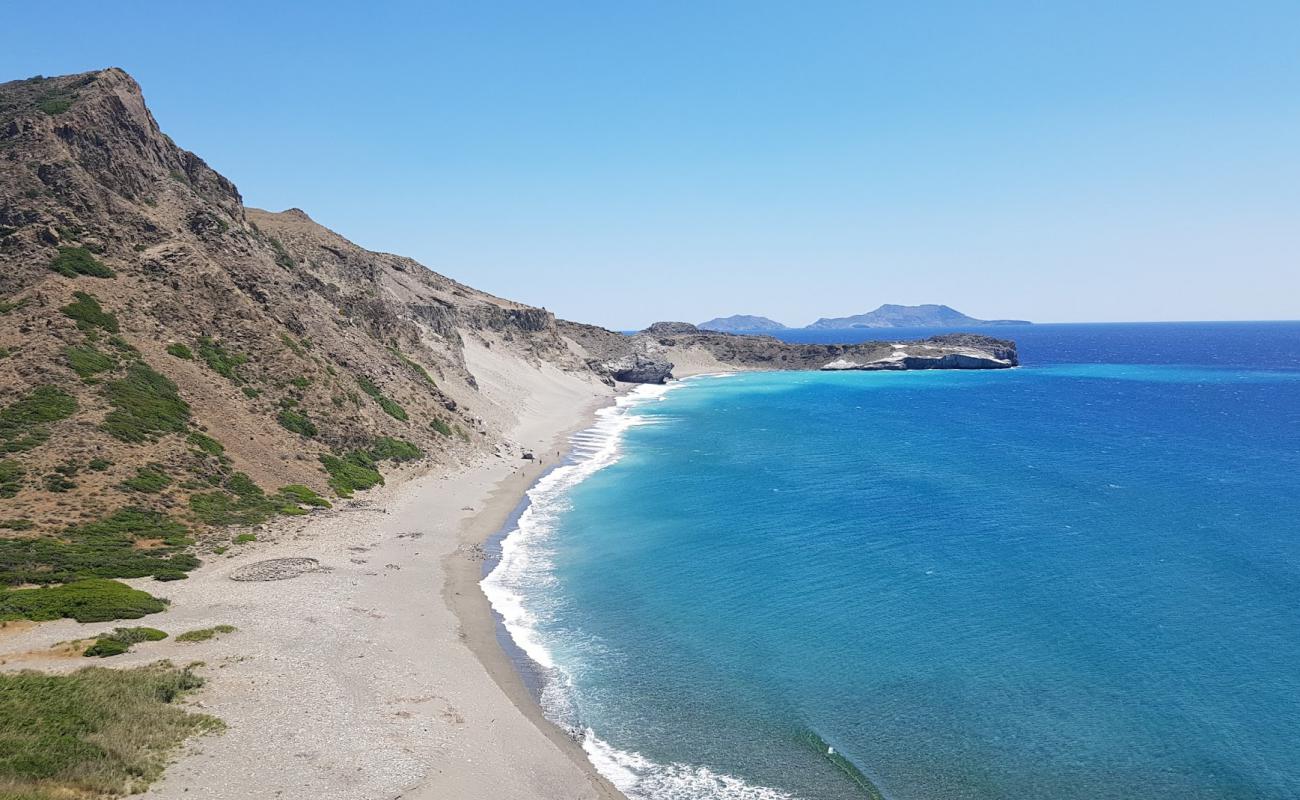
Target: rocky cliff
(676,349)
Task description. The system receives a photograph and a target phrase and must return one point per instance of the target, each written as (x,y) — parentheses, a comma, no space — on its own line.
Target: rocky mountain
(166,349)
(741,323)
(923,316)
(173,362)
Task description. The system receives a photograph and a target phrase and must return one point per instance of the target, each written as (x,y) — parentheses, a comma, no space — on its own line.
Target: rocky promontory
(657,353)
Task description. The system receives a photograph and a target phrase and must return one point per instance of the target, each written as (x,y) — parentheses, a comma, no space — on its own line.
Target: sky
(625,162)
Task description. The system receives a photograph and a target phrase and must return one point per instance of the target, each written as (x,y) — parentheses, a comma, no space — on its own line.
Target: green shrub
(241,502)
(441,427)
(150,480)
(89,314)
(222,361)
(105,647)
(298,493)
(206,443)
(58,482)
(74,261)
(180,351)
(121,344)
(23,422)
(120,640)
(282,256)
(11,477)
(389,406)
(7,306)
(353,472)
(417,368)
(204,634)
(291,344)
(146,405)
(301,382)
(386,447)
(93,600)
(296,422)
(245,538)
(55,102)
(392,408)
(250,392)
(87,361)
(99,464)
(130,543)
(94,733)
(17,524)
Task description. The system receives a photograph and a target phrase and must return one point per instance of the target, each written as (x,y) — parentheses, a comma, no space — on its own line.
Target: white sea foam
(638,777)
(525,555)
(526,566)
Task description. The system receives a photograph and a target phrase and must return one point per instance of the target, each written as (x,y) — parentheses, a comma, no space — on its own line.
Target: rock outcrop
(665,344)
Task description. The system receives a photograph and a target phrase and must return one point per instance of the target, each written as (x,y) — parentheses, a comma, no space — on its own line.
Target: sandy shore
(378,675)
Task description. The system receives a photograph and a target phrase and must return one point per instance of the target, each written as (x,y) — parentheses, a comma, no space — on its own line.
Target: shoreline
(375,675)
(481,626)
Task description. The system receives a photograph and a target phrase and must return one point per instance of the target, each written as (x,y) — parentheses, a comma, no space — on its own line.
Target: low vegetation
(441,427)
(292,345)
(353,472)
(17,524)
(119,641)
(94,733)
(87,361)
(240,501)
(180,351)
(74,261)
(93,600)
(222,361)
(388,448)
(304,495)
(89,314)
(282,256)
(130,543)
(23,423)
(296,421)
(389,406)
(149,479)
(145,406)
(204,634)
(415,367)
(60,480)
(11,477)
(206,443)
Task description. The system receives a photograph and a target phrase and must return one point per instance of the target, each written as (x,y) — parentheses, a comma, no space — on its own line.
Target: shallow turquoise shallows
(1077,579)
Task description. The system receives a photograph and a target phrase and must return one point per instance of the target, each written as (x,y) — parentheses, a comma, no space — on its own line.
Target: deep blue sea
(1076,579)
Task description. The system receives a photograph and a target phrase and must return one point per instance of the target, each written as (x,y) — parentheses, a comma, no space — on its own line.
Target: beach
(377,673)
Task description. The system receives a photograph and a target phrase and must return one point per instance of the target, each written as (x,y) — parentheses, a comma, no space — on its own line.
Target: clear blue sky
(621,162)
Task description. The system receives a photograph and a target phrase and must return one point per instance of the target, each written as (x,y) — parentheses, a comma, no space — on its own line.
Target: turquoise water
(1078,579)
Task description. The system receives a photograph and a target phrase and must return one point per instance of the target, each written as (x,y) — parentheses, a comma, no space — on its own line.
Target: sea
(1077,579)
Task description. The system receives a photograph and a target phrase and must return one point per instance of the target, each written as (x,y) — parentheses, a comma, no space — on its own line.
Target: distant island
(741,323)
(923,316)
(887,316)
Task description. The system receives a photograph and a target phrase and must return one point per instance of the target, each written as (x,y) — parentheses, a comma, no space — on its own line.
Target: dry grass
(94,733)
